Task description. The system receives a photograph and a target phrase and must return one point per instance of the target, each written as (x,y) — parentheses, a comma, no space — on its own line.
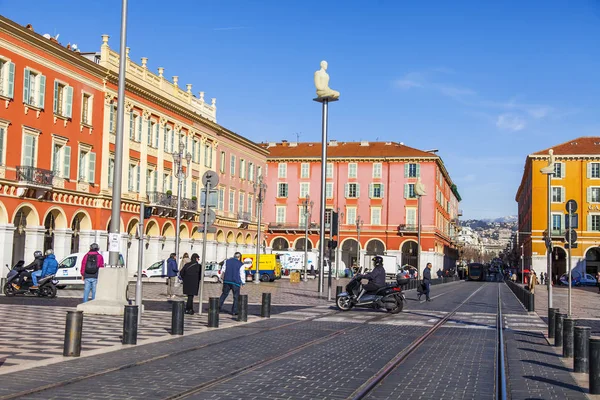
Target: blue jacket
(172,268)
(233,272)
(50,265)
(427,276)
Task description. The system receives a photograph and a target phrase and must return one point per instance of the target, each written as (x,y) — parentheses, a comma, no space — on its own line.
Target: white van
(69,268)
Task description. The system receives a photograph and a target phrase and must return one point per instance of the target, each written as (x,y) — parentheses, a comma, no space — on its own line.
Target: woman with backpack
(190,274)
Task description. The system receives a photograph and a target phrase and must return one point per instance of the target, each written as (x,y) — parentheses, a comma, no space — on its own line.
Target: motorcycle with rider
(37,278)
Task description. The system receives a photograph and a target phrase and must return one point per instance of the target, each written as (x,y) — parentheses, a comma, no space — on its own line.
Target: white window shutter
(357,190)
(406,170)
(418,170)
(589,194)
(563,197)
(26,86)
(66,162)
(69,102)
(381,185)
(42,93)
(91,167)
(346,189)
(370,190)
(563,170)
(406,191)
(589,170)
(131,133)
(11,80)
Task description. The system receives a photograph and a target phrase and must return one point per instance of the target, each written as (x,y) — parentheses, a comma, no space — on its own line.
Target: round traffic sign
(210,177)
(572,204)
(571,236)
(210,218)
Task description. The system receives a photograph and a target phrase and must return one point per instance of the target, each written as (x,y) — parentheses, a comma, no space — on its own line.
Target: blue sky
(486,83)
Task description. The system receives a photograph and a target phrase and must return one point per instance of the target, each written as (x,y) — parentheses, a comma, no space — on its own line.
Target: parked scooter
(46,285)
(389,297)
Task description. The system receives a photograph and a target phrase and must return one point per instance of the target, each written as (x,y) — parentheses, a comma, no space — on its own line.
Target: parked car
(156,270)
(212,272)
(577,279)
(68,272)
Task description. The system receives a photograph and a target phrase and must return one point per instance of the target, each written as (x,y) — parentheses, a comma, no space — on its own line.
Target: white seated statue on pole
(322,84)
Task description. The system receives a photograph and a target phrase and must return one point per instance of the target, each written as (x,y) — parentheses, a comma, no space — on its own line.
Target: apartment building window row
(7,78)
(412,170)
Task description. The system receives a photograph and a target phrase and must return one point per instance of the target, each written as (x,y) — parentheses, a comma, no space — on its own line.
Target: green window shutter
(55,97)
(139,128)
(42,94)
(172,141)
(357,190)
(418,170)
(406,191)
(11,80)
(137,183)
(91,167)
(1,145)
(155,183)
(589,222)
(111,171)
(149,138)
(563,197)
(370,190)
(130,178)
(66,162)
(29,151)
(406,170)
(69,107)
(26,86)
(111,118)
(131,125)
(346,190)
(165,137)
(156,134)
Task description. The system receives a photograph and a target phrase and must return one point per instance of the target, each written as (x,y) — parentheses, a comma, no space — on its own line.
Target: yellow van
(269,268)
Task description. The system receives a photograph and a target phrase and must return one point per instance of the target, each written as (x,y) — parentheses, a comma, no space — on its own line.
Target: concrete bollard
(581,349)
(568,332)
(177,317)
(594,370)
(73,328)
(265,308)
(130,326)
(213,312)
(243,308)
(551,315)
(338,290)
(558,329)
(530,302)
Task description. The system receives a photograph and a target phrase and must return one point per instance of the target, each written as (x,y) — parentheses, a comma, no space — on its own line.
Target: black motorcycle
(389,297)
(46,285)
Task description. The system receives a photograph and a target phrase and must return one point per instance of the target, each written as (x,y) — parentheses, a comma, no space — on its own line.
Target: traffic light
(147,212)
(332,244)
(334,224)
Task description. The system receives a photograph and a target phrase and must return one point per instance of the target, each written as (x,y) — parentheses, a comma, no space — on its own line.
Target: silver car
(212,272)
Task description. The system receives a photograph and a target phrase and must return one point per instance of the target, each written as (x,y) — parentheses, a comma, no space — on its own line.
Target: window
(61,159)
(250,205)
(222,163)
(375,216)
(221,205)
(282,170)
(329,170)
(352,170)
(63,99)
(251,172)
(133,183)
(242,168)
(558,194)
(557,224)
(231,200)
(112,118)
(149,173)
(86,109)
(350,215)
(328,216)
(593,170)
(304,189)
(150,135)
(87,165)
(135,127)
(329,190)
(282,190)
(208,156)
(156,129)
(412,170)
(376,190)
(409,191)
(241,202)
(258,172)
(377,170)
(303,216)
(195,188)
(594,222)
(111,170)
(305,170)
(593,195)
(34,88)
(7,79)
(232,165)
(280,214)
(352,190)
(167,181)
(559,170)
(411,217)
(2,144)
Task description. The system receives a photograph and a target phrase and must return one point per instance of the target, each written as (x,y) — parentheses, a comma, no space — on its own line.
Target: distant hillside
(489,224)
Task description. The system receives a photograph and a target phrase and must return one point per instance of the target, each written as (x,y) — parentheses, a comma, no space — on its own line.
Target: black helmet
(94,247)
(38,254)
(378,261)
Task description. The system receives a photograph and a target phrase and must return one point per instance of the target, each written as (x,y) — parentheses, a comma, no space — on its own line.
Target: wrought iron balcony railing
(188,204)
(167,200)
(244,216)
(35,176)
(294,226)
(407,228)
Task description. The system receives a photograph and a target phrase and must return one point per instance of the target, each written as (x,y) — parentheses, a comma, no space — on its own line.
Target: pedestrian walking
(542,278)
(172,272)
(427,281)
(439,273)
(190,274)
(234,277)
(90,265)
(184,260)
(532,282)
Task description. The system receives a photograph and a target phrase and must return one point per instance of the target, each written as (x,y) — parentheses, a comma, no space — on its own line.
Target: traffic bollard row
(558,329)
(130,325)
(581,349)
(177,317)
(265,308)
(213,312)
(243,308)
(73,327)
(567,334)
(551,314)
(525,296)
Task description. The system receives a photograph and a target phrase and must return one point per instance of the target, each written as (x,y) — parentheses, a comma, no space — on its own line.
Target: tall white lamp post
(419,192)
(259,192)
(307,216)
(549,171)
(180,174)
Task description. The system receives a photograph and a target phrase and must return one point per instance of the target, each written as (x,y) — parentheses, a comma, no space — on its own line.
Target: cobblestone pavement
(585,301)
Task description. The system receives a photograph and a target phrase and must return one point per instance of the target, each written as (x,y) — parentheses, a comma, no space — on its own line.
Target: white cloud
(510,122)
(407,84)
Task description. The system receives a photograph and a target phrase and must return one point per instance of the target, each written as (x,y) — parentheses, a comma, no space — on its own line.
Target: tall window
(376,216)
(150,133)
(594,170)
(250,202)
(221,205)
(259,171)
(63,99)
(559,170)
(86,109)
(29,155)
(232,165)
(242,168)
(251,172)
(329,170)
(241,202)
(111,170)
(558,194)
(409,191)
(149,181)
(304,189)
(556,223)
(594,222)
(87,165)
(282,170)
(135,127)
(376,190)
(112,118)
(195,188)
(593,194)
(305,170)
(412,170)
(350,215)
(377,170)
(2,145)
(282,190)
(61,159)
(231,200)
(280,214)
(208,155)
(7,79)
(329,190)
(222,163)
(133,181)
(411,217)
(34,88)
(352,170)
(352,190)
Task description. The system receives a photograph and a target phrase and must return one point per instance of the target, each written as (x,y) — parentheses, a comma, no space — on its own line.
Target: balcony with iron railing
(34,176)
(407,228)
(167,200)
(295,227)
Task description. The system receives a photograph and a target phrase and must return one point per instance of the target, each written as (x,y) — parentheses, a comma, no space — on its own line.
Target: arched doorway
(349,249)
(559,263)
(280,244)
(376,247)
(409,252)
(302,243)
(592,261)
(19,236)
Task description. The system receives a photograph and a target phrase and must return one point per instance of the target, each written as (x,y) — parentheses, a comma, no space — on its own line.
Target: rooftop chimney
(364,143)
(333,143)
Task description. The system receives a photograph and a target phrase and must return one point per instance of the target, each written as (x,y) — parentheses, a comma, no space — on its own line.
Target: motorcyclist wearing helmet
(376,277)
(25,273)
(49,267)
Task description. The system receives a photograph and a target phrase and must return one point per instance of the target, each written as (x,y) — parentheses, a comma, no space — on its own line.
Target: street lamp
(307,214)
(259,191)
(180,174)
(359,224)
(548,171)
(338,249)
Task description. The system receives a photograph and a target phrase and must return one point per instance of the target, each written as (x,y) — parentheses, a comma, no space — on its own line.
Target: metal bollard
(130,325)
(265,308)
(568,332)
(243,308)
(551,314)
(177,317)
(558,329)
(582,350)
(213,312)
(594,370)
(531,302)
(338,290)
(73,328)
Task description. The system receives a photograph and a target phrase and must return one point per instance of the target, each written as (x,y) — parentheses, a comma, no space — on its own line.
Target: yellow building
(577,177)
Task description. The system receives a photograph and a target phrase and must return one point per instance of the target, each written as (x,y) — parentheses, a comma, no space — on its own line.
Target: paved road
(320,353)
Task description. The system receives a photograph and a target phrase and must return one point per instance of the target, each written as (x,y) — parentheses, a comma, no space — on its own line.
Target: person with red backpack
(90,265)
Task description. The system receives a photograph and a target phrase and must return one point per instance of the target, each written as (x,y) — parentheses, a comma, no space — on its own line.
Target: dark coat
(190,273)
(427,276)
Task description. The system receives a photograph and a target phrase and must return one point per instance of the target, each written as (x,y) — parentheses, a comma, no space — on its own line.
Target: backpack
(91,264)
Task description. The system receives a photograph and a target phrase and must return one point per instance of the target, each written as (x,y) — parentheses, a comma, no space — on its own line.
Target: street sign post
(210,179)
(571,238)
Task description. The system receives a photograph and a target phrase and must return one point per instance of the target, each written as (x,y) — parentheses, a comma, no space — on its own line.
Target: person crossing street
(427,281)
(234,277)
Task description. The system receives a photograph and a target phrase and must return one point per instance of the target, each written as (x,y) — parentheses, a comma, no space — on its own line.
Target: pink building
(370,181)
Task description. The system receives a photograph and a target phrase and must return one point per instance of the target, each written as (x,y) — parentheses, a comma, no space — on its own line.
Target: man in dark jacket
(190,273)
(427,280)
(172,272)
(376,277)
(36,265)
(234,277)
